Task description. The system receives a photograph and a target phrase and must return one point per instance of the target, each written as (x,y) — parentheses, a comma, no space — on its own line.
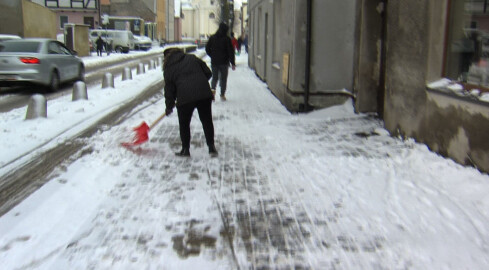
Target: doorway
(371,62)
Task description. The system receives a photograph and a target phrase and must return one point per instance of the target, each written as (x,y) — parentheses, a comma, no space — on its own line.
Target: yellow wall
(160,19)
(33,25)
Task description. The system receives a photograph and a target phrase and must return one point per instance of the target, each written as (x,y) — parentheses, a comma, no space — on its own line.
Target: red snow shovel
(142,130)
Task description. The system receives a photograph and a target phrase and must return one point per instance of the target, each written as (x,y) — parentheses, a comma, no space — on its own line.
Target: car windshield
(20,46)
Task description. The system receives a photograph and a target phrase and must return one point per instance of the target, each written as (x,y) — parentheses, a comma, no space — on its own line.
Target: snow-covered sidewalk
(326,190)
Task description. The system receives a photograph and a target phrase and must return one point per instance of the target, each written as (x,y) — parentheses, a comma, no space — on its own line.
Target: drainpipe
(308,56)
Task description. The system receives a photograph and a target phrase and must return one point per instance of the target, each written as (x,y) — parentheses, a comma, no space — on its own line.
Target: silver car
(40,61)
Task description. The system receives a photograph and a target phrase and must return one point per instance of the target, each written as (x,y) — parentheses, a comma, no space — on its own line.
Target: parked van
(122,41)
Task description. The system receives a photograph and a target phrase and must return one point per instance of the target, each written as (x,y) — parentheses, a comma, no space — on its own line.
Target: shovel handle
(157,120)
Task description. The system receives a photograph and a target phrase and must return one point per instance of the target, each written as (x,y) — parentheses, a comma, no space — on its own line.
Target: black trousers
(204,108)
(220,72)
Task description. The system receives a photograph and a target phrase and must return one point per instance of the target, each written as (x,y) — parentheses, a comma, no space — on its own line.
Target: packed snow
(325,190)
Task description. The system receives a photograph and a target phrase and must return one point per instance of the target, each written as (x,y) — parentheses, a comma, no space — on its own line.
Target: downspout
(308,56)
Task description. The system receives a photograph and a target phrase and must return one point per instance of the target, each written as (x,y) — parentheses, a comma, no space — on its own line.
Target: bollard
(108,80)
(140,69)
(151,65)
(79,91)
(127,74)
(37,107)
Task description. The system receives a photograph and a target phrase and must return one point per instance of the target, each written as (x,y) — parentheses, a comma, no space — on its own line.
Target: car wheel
(81,73)
(54,82)
(118,49)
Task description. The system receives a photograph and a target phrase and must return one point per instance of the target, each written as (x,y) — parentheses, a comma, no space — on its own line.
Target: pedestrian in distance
(100,45)
(245,43)
(187,87)
(235,43)
(220,50)
(240,43)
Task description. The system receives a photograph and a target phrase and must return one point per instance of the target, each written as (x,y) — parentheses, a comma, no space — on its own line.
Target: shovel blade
(140,137)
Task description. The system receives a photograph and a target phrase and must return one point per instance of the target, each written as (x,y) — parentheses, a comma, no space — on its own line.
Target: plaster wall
(457,128)
(279,28)
(333,45)
(75,18)
(161,15)
(21,18)
(188,22)
(11,21)
(453,126)
(33,27)
(406,65)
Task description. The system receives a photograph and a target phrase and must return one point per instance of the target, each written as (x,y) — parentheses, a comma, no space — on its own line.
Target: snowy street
(325,190)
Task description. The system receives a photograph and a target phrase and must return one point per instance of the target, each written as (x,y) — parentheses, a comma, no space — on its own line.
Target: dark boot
(185,152)
(213,151)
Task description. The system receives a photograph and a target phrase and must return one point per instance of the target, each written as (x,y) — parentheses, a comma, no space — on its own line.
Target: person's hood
(174,57)
(223,29)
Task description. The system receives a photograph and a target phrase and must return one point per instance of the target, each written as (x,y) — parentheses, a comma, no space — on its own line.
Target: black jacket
(186,79)
(219,47)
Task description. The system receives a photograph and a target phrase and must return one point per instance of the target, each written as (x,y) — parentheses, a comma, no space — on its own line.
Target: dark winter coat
(219,47)
(186,79)
(100,43)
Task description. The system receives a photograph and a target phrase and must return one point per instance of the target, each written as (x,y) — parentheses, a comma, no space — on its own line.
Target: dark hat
(171,50)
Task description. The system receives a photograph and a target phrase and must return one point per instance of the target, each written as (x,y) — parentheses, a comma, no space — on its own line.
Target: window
(53,48)
(212,15)
(21,46)
(62,21)
(467,53)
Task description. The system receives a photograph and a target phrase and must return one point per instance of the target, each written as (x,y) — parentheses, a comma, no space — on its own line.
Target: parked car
(4,37)
(41,61)
(122,41)
(142,43)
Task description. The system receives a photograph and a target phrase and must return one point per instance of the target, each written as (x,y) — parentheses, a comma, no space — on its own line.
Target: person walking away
(245,43)
(240,43)
(100,45)
(187,86)
(234,41)
(220,50)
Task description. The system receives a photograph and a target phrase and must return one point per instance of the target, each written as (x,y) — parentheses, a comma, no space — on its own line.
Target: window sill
(463,91)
